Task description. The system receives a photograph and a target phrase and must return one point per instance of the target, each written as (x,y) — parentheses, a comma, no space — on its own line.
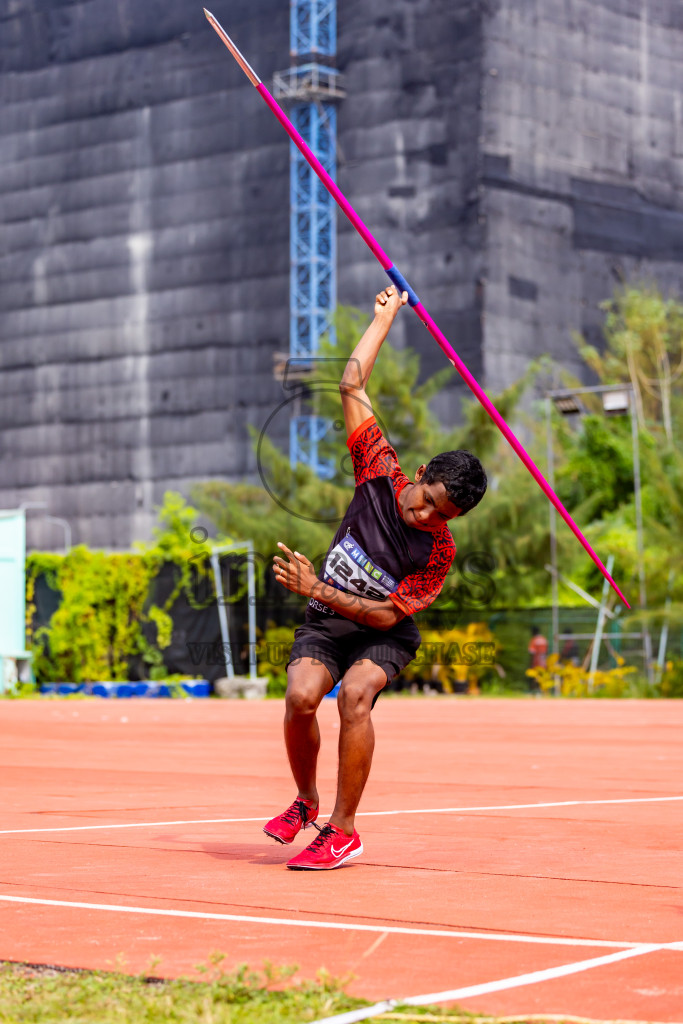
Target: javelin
(402,285)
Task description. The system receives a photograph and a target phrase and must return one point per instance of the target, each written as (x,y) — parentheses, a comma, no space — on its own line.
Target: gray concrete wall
(408,134)
(143,256)
(582,173)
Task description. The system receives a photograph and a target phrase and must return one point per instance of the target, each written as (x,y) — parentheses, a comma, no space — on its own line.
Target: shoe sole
(278,839)
(286,842)
(326,867)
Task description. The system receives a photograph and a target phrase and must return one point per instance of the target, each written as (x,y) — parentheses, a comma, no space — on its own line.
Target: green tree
(644,335)
(643,347)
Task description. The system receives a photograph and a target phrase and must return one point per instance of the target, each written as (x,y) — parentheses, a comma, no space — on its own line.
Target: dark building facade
(582,167)
(512,156)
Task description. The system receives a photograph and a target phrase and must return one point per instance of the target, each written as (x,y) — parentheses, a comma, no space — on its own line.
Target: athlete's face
(426,506)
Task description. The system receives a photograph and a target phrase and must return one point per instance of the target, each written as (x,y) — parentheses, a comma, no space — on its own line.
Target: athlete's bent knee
(355,701)
(301,699)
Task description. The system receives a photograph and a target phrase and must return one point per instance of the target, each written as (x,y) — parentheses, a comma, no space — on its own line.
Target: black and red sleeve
(417,591)
(372,455)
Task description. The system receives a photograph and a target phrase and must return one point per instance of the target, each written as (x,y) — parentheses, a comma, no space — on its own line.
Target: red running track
(547,833)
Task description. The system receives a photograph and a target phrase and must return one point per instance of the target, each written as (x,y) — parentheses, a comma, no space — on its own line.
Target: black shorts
(339,643)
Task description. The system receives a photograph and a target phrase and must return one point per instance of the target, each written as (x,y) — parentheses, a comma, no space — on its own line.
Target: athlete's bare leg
(307,683)
(356,738)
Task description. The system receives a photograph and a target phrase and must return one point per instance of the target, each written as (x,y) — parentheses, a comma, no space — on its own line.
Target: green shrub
(273,655)
(575,681)
(97,630)
(671,683)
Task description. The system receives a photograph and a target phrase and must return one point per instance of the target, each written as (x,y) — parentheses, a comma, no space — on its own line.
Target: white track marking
(522,807)
(337,926)
(360,814)
(492,986)
(133,824)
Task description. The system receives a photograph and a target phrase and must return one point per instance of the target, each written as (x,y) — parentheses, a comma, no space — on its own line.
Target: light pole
(66,526)
(553,528)
(32,504)
(617,399)
(67,531)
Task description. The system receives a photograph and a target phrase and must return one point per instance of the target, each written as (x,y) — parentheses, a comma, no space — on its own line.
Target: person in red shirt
(538,651)
(538,648)
(387,560)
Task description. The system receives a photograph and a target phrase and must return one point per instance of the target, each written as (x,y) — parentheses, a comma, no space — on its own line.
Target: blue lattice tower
(312,88)
(313,27)
(312,231)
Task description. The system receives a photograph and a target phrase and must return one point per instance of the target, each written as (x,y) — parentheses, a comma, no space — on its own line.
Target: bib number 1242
(343,572)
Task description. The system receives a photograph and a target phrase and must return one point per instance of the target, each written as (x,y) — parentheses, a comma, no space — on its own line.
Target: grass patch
(50,995)
(45,995)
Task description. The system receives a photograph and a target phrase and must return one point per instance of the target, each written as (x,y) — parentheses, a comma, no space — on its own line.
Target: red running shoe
(285,826)
(330,849)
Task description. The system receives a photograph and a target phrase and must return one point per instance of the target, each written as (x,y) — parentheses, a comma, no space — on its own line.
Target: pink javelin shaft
(402,284)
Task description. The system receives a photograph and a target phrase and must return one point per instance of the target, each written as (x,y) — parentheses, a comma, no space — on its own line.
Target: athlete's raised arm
(355,402)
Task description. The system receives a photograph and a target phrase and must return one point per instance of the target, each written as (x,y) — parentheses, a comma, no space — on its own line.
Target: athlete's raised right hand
(388,302)
(355,402)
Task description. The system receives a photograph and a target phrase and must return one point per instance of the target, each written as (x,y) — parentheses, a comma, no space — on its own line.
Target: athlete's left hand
(297,574)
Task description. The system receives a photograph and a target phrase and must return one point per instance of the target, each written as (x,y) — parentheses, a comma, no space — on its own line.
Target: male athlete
(387,561)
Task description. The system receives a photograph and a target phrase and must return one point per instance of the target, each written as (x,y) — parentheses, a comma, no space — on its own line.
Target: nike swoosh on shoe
(338,853)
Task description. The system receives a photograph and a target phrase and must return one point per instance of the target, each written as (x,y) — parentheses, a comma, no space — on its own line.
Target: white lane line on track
(360,814)
(338,926)
(502,984)
(133,824)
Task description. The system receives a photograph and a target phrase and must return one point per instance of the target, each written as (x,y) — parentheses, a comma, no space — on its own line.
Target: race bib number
(348,568)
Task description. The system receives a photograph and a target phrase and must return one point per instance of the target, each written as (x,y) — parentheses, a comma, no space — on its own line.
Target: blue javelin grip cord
(399,280)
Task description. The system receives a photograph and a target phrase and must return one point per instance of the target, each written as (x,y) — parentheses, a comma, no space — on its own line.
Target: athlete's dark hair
(463,476)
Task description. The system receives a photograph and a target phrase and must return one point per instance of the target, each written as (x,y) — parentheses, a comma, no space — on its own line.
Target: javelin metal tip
(241,60)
